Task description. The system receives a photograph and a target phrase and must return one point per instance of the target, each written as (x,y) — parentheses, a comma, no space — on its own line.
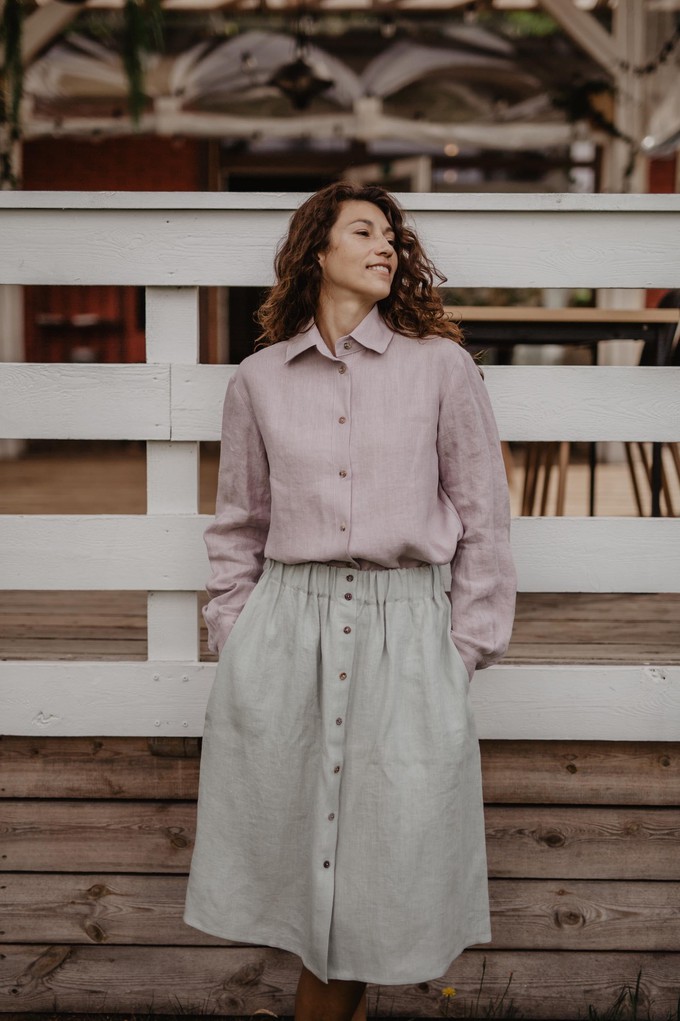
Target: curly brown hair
(413,308)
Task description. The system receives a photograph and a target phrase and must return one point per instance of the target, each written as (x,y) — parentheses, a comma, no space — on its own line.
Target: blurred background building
(269,95)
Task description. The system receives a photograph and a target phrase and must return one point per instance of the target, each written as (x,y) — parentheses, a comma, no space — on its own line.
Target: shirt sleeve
(236,538)
(472,474)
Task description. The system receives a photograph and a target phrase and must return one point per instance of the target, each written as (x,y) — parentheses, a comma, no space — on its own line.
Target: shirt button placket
(343,467)
(343,622)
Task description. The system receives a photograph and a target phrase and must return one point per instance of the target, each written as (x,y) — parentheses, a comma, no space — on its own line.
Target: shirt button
(342,368)
(342,420)
(342,473)
(331,815)
(339,720)
(347,630)
(326,864)
(347,345)
(336,769)
(348,595)
(343,527)
(342,676)
(350,577)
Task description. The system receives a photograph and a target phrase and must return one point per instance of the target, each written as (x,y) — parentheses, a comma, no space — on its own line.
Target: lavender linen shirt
(383,455)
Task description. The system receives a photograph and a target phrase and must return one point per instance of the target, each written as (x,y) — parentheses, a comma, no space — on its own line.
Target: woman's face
(360,259)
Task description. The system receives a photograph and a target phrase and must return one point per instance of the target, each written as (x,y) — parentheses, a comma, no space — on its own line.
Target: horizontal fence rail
(228,239)
(172,244)
(184,402)
(159,698)
(165,552)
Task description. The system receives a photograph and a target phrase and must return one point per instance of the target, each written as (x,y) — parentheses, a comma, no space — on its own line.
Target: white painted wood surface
(165,552)
(60,400)
(184,401)
(172,244)
(173,468)
(569,202)
(585,402)
(504,241)
(541,702)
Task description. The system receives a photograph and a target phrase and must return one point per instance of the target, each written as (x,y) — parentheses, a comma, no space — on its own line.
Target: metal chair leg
(633,477)
(563,468)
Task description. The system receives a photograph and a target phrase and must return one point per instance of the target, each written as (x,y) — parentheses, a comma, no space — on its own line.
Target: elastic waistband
(384,585)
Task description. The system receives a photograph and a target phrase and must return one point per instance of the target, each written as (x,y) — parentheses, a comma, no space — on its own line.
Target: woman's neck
(335,319)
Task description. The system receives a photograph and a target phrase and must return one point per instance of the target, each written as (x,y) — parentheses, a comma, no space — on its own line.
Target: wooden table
(504,327)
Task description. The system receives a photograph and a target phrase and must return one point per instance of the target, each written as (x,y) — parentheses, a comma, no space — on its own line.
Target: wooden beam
(44,25)
(535,914)
(585,31)
(226,981)
(514,771)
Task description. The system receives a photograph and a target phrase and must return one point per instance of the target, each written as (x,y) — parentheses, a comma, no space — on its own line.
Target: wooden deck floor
(111,479)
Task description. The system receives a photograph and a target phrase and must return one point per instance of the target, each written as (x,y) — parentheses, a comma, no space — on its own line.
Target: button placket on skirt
(337,674)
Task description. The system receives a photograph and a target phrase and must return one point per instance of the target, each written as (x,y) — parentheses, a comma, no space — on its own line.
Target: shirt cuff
(217,638)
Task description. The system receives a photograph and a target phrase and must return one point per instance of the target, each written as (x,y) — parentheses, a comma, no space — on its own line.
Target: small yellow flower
(448,991)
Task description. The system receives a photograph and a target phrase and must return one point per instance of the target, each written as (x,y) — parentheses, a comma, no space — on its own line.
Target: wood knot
(571,768)
(249,975)
(568,917)
(95,932)
(177,838)
(665,760)
(552,838)
(97,891)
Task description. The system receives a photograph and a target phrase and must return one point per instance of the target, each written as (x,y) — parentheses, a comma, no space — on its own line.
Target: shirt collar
(372,332)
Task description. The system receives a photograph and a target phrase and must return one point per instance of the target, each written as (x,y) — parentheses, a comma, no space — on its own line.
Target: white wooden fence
(171,244)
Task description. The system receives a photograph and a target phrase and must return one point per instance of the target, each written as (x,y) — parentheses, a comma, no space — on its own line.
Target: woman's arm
(472,474)
(236,538)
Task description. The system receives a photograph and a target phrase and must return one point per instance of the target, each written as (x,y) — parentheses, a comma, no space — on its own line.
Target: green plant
(143,30)
(495,1008)
(626,1005)
(143,27)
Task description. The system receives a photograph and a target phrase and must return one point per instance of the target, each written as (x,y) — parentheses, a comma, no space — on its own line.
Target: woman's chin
(380,289)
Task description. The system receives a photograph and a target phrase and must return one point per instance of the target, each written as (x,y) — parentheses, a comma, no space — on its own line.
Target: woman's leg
(339,1000)
(360,1013)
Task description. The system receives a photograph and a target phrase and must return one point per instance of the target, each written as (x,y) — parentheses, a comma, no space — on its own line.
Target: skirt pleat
(340,812)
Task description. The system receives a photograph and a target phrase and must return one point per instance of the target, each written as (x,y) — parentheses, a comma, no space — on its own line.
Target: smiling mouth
(381,269)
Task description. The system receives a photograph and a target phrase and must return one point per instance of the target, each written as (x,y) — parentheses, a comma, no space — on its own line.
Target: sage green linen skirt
(340,812)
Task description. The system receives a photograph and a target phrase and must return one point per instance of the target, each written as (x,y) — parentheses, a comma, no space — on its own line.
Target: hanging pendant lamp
(299,80)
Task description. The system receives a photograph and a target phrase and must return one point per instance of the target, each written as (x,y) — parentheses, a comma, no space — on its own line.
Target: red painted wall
(129,163)
(662,176)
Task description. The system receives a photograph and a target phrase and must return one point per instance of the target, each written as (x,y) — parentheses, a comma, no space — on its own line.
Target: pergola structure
(197,91)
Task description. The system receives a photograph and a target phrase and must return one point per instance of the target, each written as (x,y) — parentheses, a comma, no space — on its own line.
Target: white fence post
(172,467)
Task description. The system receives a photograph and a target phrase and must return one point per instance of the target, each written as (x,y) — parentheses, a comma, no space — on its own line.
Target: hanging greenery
(11,87)
(143,27)
(142,32)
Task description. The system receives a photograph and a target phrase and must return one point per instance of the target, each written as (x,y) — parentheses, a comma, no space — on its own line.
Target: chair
(544,455)
(647,357)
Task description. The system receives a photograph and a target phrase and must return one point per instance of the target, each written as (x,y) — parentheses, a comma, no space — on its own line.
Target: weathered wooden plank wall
(581,764)
(583,842)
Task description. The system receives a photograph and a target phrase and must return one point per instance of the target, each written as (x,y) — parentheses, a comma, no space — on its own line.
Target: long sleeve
(236,538)
(472,475)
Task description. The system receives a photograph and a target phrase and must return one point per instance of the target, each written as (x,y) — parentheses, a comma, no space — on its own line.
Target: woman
(340,810)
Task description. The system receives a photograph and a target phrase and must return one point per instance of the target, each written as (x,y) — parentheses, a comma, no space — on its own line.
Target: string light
(661,58)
